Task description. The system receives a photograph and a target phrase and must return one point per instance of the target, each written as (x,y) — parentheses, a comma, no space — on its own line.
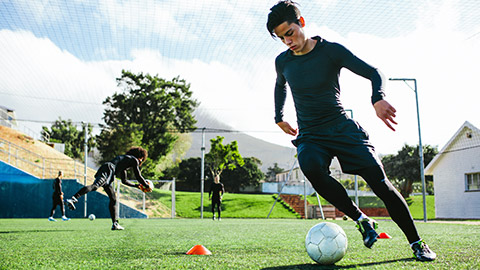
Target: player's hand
(285,126)
(385,112)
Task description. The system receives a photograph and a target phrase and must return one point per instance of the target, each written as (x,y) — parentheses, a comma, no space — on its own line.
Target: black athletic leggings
(335,193)
(218,203)
(112,205)
(57,200)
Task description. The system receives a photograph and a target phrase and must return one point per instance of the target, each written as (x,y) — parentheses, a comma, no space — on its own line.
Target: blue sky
(61,58)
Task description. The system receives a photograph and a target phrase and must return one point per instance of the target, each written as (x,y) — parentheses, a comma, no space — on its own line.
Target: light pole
(202,173)
(420,150)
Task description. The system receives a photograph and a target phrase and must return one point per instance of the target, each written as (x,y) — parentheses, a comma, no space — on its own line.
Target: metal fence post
(143,201)
(173,198)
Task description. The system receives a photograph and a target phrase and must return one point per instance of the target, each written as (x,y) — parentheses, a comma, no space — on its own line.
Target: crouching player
(105,177)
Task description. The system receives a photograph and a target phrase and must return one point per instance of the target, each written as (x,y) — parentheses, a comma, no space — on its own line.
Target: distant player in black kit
(217,190)
(57,198)
(311,67)
(105,177)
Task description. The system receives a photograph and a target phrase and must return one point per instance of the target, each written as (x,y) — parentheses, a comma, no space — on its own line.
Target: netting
(157,204)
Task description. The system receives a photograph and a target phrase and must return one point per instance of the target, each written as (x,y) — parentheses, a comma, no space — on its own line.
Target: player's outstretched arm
(285,126)
(123,177)
(385,112)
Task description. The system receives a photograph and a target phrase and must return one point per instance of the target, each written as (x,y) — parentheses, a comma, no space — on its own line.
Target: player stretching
(311,67)
(57,198)
(105,177)
(217,189)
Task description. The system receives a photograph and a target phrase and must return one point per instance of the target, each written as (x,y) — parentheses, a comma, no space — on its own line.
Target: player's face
(292,35)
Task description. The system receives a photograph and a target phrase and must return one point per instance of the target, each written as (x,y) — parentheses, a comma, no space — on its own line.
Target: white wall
(451,199)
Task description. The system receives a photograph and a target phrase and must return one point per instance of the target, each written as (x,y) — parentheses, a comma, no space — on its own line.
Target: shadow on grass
(318,266)
(34,231)
(176,253)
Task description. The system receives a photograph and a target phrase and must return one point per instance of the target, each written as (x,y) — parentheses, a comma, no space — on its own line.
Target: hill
(249,146)
(43,161)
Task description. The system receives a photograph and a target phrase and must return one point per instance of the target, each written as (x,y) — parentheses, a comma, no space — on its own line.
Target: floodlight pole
(202,173)
(420,150)
(85,166)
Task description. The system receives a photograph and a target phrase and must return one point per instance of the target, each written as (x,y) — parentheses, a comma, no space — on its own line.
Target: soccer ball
(91,217)
(149,188)
(326,243)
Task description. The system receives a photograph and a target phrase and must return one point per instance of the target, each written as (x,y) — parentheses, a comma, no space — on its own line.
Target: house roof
(466,128)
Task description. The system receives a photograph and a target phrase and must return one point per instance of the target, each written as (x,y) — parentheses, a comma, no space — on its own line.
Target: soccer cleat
(117,227)
(71,203)
(422,252)
(51,219)
(367,227)
(64,218)
(213,217)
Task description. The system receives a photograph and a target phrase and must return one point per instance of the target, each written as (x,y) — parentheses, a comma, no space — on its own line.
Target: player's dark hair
(138,152)
(283,11)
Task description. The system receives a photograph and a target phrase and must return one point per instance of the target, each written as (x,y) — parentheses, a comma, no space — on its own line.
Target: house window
(472,182)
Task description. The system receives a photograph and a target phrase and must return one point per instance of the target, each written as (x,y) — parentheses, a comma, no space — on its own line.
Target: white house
(295,183)
(7,117)
(456,175)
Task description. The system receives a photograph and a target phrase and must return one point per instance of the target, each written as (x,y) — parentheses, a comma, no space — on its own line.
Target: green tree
(272,172)
(64,131)
(186,173)
(149,112)
(222,157)
(404,167)
(247,175)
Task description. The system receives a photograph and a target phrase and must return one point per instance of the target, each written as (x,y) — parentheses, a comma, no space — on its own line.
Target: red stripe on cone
(199,250)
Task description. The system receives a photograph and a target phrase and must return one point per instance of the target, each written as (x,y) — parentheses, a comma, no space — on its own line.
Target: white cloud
(236,83)
(442,61)
(35,67)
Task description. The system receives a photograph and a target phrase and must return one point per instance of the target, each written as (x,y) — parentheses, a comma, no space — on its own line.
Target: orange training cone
(199,250)
(384,235)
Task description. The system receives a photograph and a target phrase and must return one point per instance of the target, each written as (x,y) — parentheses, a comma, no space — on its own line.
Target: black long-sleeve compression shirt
(313,80)
(122,163)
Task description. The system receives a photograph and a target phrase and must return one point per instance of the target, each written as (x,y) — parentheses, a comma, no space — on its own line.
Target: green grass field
(259,205)
(235,244)
(233,205)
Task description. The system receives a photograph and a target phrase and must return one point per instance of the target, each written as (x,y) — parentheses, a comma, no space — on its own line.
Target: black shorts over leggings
(346,140)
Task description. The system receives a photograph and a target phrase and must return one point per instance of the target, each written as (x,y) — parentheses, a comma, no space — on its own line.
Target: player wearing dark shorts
(311,67)
(57,198)
(105,178)
(216,193)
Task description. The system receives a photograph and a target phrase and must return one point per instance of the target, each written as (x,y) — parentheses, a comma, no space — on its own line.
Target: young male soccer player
(57,198)
(105,177)
(217,190)
(311,67)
